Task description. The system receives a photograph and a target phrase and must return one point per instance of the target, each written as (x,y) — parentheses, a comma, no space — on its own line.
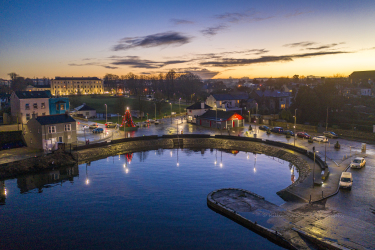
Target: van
(346,180)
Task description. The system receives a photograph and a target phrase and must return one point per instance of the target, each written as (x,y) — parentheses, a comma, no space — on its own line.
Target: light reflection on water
(145,200)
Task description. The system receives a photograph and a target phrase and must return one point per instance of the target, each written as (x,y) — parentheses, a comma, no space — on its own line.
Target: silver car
(320,139)
(358,162)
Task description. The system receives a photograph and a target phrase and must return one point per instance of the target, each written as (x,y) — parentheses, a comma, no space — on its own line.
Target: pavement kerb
(325,244)
(337,190)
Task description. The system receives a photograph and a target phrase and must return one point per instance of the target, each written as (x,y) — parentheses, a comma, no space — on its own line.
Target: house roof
(197,105)
(31,94)
(274,93)
(84,107)
(221,115)
(76,78)
(54,119)
(223,97)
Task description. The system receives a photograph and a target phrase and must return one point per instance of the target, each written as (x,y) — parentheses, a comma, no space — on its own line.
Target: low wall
(270,234)
(11,139)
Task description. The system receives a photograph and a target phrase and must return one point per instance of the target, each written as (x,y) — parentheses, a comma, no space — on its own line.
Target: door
(233,124)
(60,139)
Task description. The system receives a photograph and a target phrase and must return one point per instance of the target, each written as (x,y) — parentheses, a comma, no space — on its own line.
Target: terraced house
(76,86)
(26,103)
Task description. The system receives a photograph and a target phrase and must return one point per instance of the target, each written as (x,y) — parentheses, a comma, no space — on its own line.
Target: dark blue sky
(211,38)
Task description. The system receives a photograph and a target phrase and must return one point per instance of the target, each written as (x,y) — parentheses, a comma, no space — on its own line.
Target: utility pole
(295,118)
(327,121)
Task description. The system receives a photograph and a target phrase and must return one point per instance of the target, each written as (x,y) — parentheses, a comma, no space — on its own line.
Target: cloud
(211,31)
(202,73)
(180,21)
(230,62)
(246,16)
(327,46)
(297,13)
(136,62)
(109,67)
(300,44)
(92,64)
(159,39)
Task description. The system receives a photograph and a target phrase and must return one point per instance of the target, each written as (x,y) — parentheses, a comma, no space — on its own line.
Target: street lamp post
(171,111)
(105,113)
(327,121)
(295,118)
(179,106)
(256,116)
(155,111)
(216,115)
(118,119)
(314,168)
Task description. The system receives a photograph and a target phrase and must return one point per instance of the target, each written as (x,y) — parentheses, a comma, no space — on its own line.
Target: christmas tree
(128,120)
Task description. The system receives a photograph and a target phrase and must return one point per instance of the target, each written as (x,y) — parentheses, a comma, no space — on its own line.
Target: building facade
(85,111)
(26,103)
(228,102)
(58,105)
(220,119)
(44,132)
(76,86)
(195,110)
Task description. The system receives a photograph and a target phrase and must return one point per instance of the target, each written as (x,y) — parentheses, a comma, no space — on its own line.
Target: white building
(197,109)
(26,103)
(85,111)
(76,85)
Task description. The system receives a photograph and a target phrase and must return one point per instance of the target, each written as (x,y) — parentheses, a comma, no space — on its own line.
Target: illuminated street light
(105,113)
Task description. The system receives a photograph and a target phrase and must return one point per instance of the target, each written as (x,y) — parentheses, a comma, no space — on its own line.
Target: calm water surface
(144,200)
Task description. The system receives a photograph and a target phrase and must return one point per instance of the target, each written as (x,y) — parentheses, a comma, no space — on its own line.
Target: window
(27,106)
(68,127)
(62,106)
(35,105)
(69,137)
(52,129)
(27,116)
(43,113)
(87,113)
(43,105)
(282,106)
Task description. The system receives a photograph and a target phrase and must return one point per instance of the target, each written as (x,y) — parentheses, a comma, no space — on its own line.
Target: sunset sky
(214,39)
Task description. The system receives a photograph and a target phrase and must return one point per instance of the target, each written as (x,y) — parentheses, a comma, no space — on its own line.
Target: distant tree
(296,78)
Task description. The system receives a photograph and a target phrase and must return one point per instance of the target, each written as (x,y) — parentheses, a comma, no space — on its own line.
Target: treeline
(171,85)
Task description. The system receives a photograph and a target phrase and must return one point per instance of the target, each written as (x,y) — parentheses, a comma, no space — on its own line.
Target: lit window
(282,106)
(68,127)
(52,129)
(62,106)
(35,105)
(27,106)
(27,116)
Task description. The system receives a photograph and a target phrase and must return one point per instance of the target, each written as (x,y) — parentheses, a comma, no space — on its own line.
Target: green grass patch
(118,104)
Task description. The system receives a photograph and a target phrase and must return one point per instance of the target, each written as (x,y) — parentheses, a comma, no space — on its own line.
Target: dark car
(303,135)
(98,130)
(264,127)
(330,134)
(289,132)
(279,130)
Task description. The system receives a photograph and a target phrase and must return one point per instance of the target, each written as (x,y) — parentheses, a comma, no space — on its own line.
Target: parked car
(358,162)
(264,127)
(279,130)
(85,126)
(320,139)
(289,132)
(98,130)
(330,134)
(346,180)
(303,135)
(93,126)
(110,125)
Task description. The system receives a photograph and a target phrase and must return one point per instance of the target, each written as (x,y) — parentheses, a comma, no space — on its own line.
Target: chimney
(202,105)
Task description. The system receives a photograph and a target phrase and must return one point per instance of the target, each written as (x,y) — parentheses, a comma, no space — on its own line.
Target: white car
(358,162)
(85,126)
(320,139)
(346,180)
